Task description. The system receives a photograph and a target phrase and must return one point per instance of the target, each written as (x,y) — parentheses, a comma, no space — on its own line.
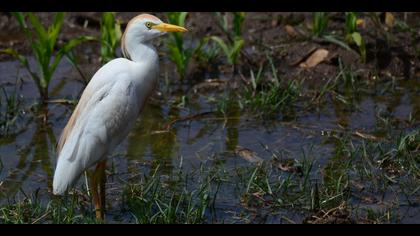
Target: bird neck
(141,52)
(137,48)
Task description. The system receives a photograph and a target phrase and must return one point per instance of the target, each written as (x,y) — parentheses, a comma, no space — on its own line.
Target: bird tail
(66,174)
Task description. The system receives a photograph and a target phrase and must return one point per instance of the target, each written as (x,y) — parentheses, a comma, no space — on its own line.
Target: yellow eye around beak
(169,28)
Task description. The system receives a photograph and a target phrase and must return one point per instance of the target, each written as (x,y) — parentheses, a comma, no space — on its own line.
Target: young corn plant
(231,50)
(109,39)
(178,53)
(353,36)
(43,42)
(319,26)
(110,36)
(233,46)
(207,53)
(320,23)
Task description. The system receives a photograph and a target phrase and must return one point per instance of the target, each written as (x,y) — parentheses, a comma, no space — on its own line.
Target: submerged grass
(30,210)
(339,193)
(335,193)
(368,178)
(10,109)
(268,96)
(154,200)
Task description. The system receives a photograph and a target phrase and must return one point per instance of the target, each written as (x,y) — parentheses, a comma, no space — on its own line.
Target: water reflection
(32,158)
(28,158)
(145,142)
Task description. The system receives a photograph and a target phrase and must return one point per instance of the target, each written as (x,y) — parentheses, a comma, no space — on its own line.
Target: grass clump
(10,108)
(156,201)
(30,210)
(268,97)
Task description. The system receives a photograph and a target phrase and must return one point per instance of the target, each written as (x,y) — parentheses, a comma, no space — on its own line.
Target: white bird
(109,107)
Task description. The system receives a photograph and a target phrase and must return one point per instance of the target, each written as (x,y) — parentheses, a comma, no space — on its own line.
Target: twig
(341,206)
(191,117)
(41,217)
(62,101)
(288,220)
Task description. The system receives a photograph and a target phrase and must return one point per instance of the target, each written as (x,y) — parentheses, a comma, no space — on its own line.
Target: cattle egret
(109,107)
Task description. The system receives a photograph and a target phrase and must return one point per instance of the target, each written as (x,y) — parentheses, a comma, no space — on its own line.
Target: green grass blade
(222,45)
(238,20)
(237,46)
(38,27)
(357,38)
(67,48)
(334,40)
(55,28)
(181,18)
(20,17)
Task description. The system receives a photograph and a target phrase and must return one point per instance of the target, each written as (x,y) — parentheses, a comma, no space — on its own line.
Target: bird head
(145,27)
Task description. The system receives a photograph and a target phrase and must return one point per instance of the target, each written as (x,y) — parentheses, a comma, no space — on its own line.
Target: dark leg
(102,181)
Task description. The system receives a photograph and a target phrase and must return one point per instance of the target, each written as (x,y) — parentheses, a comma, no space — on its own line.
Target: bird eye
(149,25)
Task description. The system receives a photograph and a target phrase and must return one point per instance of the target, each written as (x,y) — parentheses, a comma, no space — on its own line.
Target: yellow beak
(169,28)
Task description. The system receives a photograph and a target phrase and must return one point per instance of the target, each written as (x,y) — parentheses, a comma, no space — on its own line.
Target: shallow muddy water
(28,158)
(179,129)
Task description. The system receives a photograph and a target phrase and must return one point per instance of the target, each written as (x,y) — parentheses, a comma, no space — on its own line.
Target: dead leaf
(336,215)
(289,166)
(360,187)
(315,58)
(369,199)
(301,54)
(389,19)
(290,30)
(248,155)
(209,85)
(286,168)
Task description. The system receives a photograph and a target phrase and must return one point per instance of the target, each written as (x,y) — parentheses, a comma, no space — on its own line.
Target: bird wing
(102,116)
(100,121)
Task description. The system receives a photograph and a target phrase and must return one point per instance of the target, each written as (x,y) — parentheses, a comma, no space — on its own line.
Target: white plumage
(111,102)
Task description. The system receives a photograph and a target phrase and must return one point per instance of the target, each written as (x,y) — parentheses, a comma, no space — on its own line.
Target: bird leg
(102,181)
(98,189)
(94,190)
